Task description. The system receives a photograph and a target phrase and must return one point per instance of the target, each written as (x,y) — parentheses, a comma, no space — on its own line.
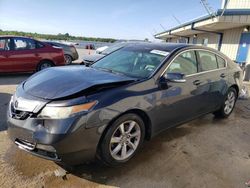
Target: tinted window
(132,61)
(207,60)
(4,44)
(185,63)
(39,45)
(24,44)
(221,62)
(205,41)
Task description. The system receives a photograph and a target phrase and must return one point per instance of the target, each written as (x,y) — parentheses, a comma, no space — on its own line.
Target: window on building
(208,60)
(24,44)
(205,41)
(221,62)
(185,63)
(4,44)
(182,40)
(195,40)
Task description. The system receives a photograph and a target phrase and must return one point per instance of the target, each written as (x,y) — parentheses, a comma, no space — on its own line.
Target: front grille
(18,114)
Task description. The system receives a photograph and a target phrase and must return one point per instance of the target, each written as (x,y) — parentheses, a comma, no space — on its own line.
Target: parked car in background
(90,59)
(90,46)
(21,54)
(100,49)
(107,110)
(70,52)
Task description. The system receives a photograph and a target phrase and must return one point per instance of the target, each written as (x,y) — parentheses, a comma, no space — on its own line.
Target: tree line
(59,36)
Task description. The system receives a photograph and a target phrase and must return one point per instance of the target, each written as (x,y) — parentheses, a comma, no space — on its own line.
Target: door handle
(197,82)
(223,75)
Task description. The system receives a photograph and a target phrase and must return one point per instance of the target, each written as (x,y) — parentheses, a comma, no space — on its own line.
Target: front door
(181,102)
(23,56)
(243,48)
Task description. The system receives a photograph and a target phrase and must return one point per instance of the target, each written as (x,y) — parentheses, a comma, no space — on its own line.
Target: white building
(227,30)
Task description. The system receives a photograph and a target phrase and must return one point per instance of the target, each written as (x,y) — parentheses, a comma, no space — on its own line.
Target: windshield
(132,61)
(113,48)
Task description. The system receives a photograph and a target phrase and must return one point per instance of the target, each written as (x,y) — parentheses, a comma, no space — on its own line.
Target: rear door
(213,71)
(5,64)
(23,54)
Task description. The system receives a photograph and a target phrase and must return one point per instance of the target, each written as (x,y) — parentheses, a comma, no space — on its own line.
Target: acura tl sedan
(107,110)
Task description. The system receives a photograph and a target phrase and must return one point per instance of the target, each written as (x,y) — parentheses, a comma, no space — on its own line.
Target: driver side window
(184,63)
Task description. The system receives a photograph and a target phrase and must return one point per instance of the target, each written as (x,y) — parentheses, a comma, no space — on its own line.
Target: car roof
(169,47)
(12,36)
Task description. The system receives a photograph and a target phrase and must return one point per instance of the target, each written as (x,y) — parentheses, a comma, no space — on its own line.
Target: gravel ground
(206,152)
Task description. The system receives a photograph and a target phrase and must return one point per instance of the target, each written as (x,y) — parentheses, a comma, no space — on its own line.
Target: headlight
(52,112)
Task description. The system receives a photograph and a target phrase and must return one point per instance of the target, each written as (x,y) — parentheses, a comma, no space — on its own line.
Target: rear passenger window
(208,60)
(221,62)
(185,63)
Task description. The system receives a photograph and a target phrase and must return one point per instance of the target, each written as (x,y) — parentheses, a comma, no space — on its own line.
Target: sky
(119,19)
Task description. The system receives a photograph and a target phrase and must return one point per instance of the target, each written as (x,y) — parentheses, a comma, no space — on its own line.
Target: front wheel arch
(143,115)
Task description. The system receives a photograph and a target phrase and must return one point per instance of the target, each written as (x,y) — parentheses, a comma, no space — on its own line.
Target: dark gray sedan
(70,52)
(107,110)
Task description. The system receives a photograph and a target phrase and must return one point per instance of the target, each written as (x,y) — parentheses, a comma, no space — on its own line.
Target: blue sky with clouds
(121,19)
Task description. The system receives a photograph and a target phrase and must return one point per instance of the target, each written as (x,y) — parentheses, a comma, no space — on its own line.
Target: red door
(23,56)
(5,63)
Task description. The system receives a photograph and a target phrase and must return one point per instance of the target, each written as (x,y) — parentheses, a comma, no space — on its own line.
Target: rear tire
(44,64)
(228,104)
(122,140)
(68,59)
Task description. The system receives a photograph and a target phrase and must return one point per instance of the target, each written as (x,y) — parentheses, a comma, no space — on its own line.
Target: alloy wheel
(229,102)
(45,65)
(125,140)
(68,59)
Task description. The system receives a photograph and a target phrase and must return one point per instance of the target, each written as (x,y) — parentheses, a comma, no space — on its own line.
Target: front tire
(122,140)
(228,104)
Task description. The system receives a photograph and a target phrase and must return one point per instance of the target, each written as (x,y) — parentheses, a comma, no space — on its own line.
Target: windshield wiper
(104,69)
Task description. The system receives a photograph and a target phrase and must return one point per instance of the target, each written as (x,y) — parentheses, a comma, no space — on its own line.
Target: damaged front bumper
(61,140)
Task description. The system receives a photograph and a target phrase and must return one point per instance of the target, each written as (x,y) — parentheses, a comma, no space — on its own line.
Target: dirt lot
(206,152)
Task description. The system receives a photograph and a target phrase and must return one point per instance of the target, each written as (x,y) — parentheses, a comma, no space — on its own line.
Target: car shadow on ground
(160,148)
(5,98)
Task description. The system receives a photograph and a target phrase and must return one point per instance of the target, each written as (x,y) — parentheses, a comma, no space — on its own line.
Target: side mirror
(171,77)
(175,77)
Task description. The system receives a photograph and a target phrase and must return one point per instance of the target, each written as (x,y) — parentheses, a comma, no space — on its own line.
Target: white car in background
(101,49)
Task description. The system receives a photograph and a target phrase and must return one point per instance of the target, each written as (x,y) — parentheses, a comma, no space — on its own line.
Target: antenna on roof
(163,27)
(152,34)
(208,8)
(224,8)
(154,30)
(176,19)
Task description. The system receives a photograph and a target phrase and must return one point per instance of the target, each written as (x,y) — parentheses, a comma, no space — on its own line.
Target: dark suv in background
(21,54)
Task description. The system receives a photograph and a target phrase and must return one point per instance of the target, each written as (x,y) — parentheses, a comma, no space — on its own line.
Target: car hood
(92,58)
(60,82)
